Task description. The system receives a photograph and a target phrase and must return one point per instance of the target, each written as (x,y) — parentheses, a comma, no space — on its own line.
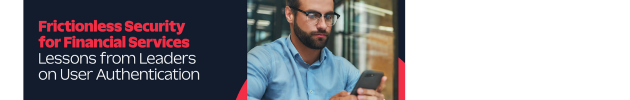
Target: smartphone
(369,80)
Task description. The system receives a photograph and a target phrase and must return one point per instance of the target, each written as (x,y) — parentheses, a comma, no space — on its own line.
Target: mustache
(319,31)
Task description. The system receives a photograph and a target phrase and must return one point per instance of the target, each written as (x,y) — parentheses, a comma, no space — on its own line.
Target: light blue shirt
(276,71)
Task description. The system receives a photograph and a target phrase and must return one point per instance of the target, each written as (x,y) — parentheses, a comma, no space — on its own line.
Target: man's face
(313,34)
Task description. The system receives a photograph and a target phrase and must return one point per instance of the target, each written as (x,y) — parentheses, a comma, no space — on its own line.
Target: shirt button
(311,91)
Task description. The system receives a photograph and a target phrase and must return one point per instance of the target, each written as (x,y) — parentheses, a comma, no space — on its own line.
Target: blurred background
(364,34)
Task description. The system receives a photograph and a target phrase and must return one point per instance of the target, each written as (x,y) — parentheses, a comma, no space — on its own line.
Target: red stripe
(242,95)
(401,79)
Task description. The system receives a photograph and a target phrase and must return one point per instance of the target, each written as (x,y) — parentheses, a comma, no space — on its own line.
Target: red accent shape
(401,79)
(242,95)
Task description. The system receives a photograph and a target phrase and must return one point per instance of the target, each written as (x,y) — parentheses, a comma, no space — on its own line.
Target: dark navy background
(215,39)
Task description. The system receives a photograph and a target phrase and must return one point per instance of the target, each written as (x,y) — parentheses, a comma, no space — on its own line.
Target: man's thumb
(343,93)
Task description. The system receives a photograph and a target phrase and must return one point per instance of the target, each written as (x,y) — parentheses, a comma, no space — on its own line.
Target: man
(300,67)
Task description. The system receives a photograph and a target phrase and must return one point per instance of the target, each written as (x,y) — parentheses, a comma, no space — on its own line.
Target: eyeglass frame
(321,15)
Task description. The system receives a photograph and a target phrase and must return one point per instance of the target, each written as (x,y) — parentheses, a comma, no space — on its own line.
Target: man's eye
(328,16)
(312,15)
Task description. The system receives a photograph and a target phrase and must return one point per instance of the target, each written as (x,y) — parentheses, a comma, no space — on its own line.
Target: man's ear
(288,14)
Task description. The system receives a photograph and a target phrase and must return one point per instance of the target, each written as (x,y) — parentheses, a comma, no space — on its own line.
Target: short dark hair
(293,3)
(296,4)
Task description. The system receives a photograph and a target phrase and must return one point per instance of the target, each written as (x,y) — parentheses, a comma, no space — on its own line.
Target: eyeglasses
(313,17)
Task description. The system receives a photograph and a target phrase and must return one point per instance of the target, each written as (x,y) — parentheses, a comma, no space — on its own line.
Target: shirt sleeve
(353,75)
(256,74)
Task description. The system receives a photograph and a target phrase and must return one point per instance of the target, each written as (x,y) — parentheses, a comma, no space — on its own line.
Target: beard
(309,39)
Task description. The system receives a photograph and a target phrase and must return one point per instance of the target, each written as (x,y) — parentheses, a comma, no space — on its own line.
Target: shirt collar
(292,48)
(295,53)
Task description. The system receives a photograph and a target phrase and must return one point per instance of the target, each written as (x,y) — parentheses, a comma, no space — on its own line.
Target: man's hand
(369,94)
(343,95)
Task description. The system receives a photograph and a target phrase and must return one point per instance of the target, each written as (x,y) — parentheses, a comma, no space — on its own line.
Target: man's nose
(321,25)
